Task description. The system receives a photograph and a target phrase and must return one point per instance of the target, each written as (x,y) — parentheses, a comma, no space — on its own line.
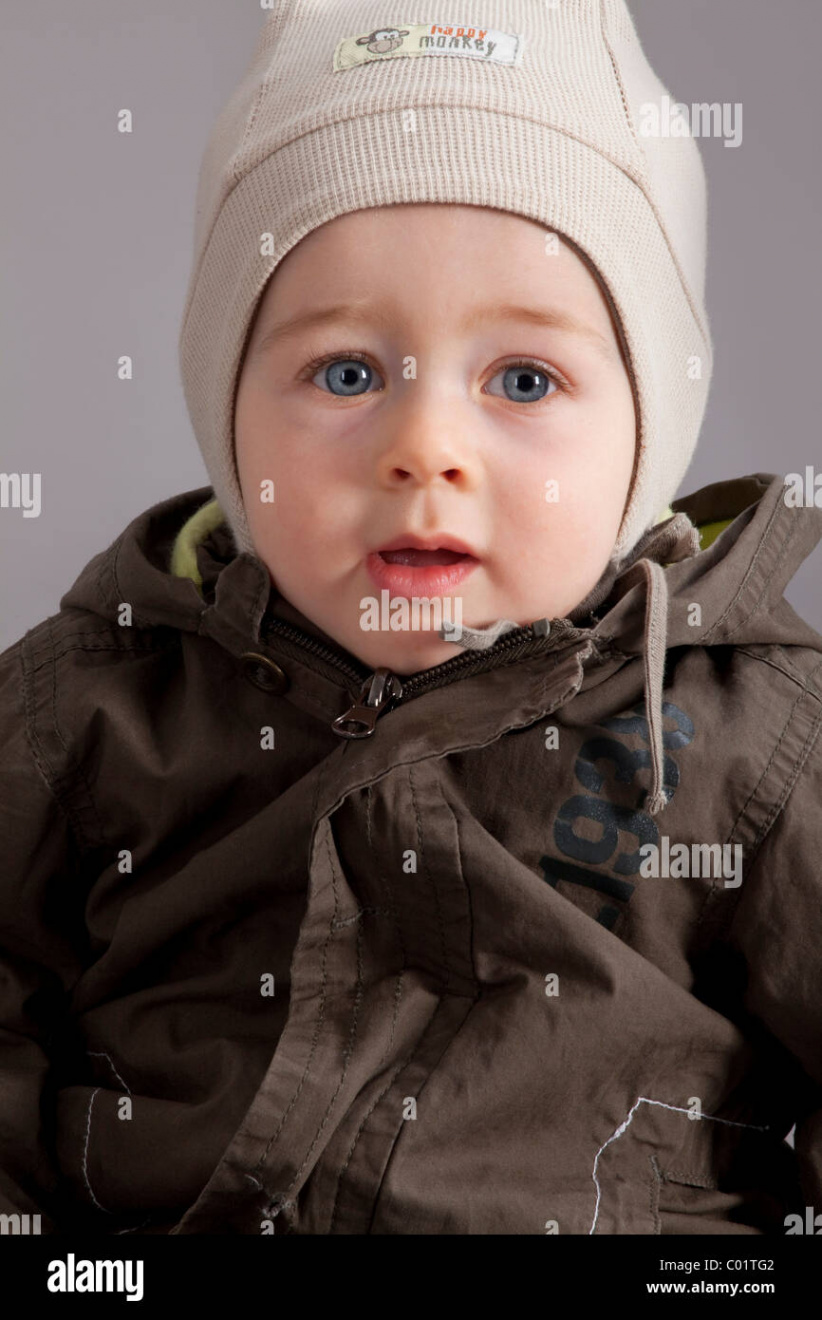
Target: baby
(461,447)
(416,830)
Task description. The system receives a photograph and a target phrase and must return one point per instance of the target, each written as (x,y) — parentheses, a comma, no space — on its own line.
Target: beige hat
(528,106)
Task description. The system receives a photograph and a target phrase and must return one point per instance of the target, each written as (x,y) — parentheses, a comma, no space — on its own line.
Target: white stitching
(101,1054)
(85,1156)
(679,1110)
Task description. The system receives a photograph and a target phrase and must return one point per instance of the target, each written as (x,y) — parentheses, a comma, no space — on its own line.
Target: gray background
(96,249)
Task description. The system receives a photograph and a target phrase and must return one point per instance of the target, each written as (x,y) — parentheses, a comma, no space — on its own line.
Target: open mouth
(410,570)
(413,558)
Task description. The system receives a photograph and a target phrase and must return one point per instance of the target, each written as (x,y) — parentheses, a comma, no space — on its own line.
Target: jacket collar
(728,549)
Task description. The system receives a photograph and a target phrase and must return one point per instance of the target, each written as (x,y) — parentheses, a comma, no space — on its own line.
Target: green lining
(210,515)
(194,530)
(708,532)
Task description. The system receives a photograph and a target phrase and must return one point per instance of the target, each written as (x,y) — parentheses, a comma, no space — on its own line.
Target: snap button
(264,673)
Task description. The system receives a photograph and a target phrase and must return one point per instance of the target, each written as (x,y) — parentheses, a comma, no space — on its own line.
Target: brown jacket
(256,976)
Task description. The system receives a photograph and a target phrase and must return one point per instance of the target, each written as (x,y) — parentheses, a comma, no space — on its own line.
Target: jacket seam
(803,681)
(776,809)
(432,1072)
(807,746)
(781,556)
(751,584)
(272,1140)
(406,1062)
(471,950)
(763,776)
(131,649)
(398,1071)
(398,990)
(352,1031)
(47,772)
(70,636)
(690,1178)
(789,783)
(108,591)
(432,882)
(392,909)
(477,996)
(278,1202)
(654,1187)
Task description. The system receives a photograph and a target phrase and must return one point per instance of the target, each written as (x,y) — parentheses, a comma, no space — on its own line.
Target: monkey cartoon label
(428,39)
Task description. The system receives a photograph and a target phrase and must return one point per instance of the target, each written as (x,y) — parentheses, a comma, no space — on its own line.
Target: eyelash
(357,354)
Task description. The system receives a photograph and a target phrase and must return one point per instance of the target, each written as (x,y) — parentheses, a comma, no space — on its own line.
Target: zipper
(376,696)
(302,642)
(381,689)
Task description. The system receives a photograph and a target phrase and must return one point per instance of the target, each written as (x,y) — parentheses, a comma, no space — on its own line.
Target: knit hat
(528,106)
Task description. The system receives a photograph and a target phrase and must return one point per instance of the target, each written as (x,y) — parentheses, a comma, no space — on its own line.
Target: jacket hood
(712,574)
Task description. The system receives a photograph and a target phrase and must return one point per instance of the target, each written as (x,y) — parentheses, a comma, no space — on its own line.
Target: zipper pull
(376,694)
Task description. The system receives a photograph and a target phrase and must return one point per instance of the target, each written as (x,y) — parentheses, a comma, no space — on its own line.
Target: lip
(439,541)
(435,580)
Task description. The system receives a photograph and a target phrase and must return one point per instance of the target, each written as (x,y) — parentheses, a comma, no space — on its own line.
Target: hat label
(390,43)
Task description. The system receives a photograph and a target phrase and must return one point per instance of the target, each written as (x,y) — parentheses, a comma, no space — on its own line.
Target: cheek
(267,458)
(558,509)
(553,486)
(309,507)
(249,450)
(594,468)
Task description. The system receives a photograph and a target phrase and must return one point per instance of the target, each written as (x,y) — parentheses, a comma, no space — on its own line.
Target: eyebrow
(362,314)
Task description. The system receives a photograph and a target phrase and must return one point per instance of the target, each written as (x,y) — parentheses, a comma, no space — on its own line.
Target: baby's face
(389,392)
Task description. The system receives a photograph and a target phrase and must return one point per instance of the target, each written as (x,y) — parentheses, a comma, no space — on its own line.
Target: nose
(428,443)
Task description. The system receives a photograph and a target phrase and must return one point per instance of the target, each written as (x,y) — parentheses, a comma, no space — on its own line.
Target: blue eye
(345,376)
(527,382)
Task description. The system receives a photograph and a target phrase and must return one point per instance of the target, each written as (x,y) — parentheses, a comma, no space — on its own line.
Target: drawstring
(653,660)
(476,639)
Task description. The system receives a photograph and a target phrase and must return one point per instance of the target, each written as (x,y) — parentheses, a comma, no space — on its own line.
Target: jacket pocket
(664,1172)
(690,1203)
(752,1186)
